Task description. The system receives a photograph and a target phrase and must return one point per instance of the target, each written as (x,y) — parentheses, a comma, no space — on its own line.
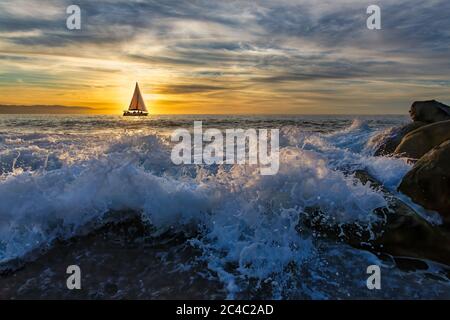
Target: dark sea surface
(102,192)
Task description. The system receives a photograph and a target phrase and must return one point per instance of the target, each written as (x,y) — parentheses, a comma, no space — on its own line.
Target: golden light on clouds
(217,58)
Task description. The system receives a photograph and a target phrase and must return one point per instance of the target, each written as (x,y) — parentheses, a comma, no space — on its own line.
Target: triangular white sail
(137,102)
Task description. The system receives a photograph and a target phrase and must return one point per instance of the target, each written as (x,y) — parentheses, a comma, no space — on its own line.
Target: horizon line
(217,114)
(56,109)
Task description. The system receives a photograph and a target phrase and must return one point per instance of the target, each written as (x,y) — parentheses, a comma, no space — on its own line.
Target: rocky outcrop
(406,233)
(403,232)
(429,111)
(398,231)
(418,142)
(422,113)
(428,183)
(389,142)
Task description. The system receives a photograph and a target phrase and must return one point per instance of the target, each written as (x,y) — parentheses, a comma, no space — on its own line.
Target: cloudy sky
(215,56)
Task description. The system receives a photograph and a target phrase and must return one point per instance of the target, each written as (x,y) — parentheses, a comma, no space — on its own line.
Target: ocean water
(60,173)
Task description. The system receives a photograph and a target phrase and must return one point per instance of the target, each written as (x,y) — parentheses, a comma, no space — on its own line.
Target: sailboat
(137,105)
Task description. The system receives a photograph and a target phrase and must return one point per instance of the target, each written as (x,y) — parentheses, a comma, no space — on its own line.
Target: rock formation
(422,113)
(427,141)
(429,111)
(390,142)
(428,183)
(418,142)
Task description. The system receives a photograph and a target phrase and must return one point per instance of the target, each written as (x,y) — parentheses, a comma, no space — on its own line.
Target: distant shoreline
(44,109)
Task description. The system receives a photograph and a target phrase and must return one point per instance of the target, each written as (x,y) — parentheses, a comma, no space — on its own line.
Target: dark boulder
(387,142)
(398,231)
(428,182)
(418,142)
(429,111)
(404,232)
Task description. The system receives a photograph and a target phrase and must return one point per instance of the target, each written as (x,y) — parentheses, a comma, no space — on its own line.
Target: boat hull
(135,114)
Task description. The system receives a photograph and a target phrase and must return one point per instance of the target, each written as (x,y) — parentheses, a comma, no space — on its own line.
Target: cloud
(187,88)
(209,47)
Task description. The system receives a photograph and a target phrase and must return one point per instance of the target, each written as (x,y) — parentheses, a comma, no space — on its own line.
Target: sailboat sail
(137,102)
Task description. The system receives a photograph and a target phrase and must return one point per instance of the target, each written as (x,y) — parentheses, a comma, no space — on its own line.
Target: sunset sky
(285,56)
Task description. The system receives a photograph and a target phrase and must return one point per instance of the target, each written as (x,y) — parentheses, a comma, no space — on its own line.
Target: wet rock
(388,142)
(405,233)
(398,231)
(418,142)
(429,111)
(428,182)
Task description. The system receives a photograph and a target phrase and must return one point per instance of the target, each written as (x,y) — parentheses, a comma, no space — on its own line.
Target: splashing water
(59,174)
